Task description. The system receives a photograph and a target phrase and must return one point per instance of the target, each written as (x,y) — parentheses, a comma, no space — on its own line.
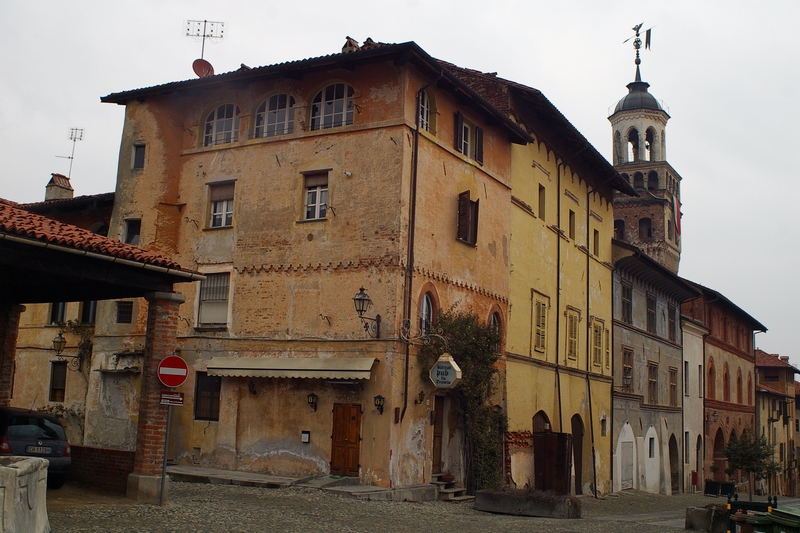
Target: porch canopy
(291,367)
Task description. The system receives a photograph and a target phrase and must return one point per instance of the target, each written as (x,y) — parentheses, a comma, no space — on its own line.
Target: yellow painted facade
(560,313)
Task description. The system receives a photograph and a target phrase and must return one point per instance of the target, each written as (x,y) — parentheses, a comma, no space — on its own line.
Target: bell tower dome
(650,222)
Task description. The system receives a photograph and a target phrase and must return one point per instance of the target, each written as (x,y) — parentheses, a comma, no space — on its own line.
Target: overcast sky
(727,72)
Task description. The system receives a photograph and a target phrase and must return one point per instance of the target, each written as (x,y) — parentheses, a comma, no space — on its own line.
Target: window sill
(307,220)
(470,244)
(217,228)
(211,327)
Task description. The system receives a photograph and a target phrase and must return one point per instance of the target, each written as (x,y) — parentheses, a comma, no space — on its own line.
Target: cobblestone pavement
(195,508)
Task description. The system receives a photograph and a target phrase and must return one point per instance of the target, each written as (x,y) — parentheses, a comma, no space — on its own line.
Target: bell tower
(651,221)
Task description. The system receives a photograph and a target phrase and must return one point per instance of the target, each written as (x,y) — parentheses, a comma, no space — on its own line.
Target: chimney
(785,358)
(350,45)
(58,188)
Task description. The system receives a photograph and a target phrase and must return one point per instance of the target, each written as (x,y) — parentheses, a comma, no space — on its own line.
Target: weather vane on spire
(637,44)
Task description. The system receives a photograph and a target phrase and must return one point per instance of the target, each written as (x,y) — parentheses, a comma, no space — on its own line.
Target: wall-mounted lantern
(75,362)
(312,401)
(362,302)
(379,401)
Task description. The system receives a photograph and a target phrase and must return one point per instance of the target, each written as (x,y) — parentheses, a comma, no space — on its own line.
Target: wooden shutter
(462,233)
(473,222)
(479,145)
(459,133)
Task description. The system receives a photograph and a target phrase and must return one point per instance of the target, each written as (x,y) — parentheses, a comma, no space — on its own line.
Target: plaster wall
(292,280)
(693,401)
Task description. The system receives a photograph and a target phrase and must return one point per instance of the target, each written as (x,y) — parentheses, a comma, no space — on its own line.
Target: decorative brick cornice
(444,278)
(293,268)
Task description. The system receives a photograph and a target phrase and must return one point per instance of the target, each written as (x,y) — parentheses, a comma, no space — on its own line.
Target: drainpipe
(589,332)
(412,218)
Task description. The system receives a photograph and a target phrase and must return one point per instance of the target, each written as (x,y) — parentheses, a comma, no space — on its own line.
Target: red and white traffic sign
(172,371)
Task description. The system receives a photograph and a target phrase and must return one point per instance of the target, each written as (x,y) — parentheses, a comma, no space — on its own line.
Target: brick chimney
(58,188)
(785,358)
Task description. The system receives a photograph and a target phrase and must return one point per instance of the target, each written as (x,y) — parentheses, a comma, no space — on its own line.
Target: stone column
(9,328)
(144,484)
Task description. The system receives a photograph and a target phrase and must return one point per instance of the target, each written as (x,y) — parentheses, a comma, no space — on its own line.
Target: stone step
(460,499)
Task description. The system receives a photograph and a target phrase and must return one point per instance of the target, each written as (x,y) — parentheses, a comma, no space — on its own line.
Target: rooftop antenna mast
(75,135)
(204,29)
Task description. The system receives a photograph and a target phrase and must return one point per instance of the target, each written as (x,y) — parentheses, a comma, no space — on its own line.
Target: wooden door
(346,439)
(626,481)
(438,428)
(552,454)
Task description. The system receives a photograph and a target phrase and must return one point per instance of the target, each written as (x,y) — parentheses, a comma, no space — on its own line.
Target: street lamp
(75,361)
(372,326)
(379,401)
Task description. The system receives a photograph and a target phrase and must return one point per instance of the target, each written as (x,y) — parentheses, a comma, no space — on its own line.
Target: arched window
(726,384)
(426,313)
(749,389)
(739,386)
(645,229)
(541,422)
(652,180)
(619,230)
(649,139)
(633,145)
(222,126)
(275,116)
(494,323)
(427,112)
(711,383)
(332,107)
(638,181)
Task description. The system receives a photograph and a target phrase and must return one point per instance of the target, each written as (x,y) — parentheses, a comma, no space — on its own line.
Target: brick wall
(102,467)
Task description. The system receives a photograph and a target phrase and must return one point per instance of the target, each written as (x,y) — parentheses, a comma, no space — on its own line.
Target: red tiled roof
(18,222)
(77,199)
(772,360)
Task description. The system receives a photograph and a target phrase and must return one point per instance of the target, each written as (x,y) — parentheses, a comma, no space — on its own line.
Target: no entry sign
(172,371)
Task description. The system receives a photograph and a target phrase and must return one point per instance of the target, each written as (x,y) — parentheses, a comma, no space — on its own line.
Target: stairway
(448,492)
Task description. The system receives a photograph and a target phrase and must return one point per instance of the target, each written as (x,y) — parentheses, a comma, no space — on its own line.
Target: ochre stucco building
(290,187)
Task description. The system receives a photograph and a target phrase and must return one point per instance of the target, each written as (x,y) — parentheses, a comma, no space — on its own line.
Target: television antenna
(75,135)
(205,29)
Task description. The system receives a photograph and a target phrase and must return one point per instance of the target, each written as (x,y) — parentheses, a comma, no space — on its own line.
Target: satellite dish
(202,68)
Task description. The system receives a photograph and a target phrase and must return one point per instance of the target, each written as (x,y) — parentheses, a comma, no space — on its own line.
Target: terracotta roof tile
(772,360)
(21,223)
(76,199)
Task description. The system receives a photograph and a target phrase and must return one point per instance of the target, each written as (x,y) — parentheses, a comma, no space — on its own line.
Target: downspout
(412,217)
(589,332)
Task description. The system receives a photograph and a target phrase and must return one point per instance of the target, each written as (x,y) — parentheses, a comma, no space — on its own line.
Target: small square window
(138,156)
(58,381)
(124,312)
(316,195)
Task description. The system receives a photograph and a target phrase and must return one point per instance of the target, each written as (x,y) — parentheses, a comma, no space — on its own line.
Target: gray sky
(726,70)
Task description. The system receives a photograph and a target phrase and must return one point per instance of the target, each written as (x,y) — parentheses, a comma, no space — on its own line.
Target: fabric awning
(291,367)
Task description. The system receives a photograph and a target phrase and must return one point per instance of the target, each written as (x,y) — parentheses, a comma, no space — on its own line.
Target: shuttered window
(572,334)
(540,319)
(221,197)
(468,138)
(467,231)
(214,300)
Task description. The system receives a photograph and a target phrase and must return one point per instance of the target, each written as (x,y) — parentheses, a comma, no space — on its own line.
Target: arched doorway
(577,452)
(719,456)
(541,422)
(674,465)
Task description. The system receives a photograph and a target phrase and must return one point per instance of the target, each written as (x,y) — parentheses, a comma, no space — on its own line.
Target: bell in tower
(650,222)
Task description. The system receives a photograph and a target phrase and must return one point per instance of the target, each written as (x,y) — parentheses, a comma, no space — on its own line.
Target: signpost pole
(164,461)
